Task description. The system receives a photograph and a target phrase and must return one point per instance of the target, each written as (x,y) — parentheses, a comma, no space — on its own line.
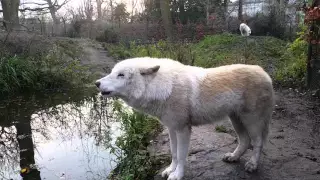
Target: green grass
(221,129)
(284,61)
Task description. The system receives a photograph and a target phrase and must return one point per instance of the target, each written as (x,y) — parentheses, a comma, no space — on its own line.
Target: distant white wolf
(245,29)
(182,96)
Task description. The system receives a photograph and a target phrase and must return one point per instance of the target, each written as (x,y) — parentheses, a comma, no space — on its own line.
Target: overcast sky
(77,3)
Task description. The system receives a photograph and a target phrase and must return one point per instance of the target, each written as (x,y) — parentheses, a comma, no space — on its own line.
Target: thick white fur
(245,29)
(182,96)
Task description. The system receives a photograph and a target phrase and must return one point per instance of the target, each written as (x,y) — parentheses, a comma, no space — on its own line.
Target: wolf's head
(128,79)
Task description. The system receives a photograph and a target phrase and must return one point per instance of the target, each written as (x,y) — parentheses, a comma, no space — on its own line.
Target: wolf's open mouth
(106,92)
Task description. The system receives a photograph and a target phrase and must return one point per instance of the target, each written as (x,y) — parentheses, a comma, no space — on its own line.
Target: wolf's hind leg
(243,140)
(257,125)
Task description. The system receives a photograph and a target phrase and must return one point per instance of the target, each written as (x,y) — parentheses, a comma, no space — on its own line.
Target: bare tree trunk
(133,6)
(53,11)
(147,6)
(111,6)
(240,17)
(10,14)
(166,18)
(147,27)
(99,9)
(53,8)
(182,11)
(207,12)
(64,26)
(225,13)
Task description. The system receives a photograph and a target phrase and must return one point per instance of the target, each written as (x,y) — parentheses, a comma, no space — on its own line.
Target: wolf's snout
(98,84)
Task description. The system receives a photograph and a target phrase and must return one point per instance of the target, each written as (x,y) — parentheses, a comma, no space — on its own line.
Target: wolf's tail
(267,119)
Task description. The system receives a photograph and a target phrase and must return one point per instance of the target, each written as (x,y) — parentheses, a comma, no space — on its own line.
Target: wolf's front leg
(173,147)
(183,138)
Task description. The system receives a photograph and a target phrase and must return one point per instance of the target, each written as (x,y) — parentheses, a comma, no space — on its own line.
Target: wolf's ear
(151,70)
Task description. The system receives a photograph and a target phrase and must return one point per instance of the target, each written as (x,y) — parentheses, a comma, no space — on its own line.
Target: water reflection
(56,136)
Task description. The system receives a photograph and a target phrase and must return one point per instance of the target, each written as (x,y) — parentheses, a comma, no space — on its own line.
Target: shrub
(292,65)
(108,36)
(134,159)
(221,129)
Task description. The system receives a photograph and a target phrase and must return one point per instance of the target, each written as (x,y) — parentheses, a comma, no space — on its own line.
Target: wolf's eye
(120,75)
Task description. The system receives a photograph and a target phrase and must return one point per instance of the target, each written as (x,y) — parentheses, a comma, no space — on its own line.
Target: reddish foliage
(199,31)
(212,17)
(312,14)
(314,42)
(179,27)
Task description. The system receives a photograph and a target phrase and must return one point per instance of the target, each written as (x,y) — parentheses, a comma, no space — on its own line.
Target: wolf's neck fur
(156,92)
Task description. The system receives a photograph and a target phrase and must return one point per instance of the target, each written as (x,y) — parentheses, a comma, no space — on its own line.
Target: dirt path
(95,57)
(292,153)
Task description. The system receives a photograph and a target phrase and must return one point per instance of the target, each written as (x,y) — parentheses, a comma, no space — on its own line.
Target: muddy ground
(292,151)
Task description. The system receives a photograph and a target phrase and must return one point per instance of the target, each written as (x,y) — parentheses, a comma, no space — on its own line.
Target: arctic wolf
(182,96)
(245,29)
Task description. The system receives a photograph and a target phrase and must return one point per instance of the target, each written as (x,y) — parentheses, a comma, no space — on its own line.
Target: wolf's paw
(168,170)
(251,166)
(175,175)
(229,157)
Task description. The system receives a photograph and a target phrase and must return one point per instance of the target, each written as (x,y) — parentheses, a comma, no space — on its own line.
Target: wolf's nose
(98,83)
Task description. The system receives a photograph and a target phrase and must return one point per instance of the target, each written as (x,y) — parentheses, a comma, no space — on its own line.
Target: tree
(112,11)
(54,7)
(147,5)
(240,11)
(166,18)
(120,14)
(88,9)
(10,10)
(47,5)
(133,6)
(99,9)
(50,6)
(182,11)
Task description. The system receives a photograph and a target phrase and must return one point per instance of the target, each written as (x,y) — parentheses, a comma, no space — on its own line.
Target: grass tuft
(57,69)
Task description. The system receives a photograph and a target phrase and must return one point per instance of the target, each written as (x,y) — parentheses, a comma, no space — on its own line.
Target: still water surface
(62,136)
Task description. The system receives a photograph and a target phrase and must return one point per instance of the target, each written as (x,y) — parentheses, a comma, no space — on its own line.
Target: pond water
(57,136)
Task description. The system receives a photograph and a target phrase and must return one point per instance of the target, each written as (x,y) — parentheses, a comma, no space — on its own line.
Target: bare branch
(54,5)
(33,3)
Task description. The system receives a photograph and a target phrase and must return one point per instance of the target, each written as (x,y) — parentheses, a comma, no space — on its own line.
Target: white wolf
(182,96)
(245,29)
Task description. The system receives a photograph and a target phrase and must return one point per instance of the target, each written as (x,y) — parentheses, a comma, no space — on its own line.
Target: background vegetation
(284,60)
